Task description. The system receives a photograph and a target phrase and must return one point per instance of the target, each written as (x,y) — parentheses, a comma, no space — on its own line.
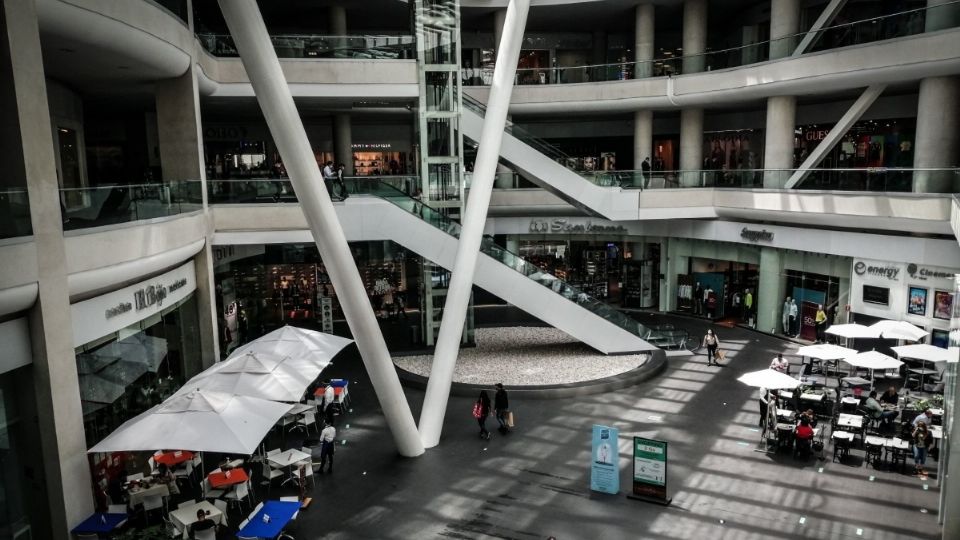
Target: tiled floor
(534,482)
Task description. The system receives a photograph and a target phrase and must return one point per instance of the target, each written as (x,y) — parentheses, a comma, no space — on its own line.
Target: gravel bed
(526,355)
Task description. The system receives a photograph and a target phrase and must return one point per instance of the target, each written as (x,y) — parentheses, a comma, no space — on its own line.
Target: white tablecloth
(185,516)
(850,420)
(136,497)
(288,458)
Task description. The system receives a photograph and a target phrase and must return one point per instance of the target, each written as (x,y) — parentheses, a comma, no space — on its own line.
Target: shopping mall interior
(510,261)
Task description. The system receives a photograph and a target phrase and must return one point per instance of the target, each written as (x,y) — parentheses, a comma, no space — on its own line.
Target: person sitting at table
(873,407)
(926,417)
(780,364)
(804,436)
(809,416)
(890,397)
(202,523)
(166,476)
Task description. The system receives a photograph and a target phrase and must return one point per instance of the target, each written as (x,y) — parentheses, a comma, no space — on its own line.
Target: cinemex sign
(923,274)
(561,225)
(887,271)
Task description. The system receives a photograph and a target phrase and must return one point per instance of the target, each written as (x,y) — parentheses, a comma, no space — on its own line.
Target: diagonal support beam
(474,220)
(825,18)
(270,86)
(846,121)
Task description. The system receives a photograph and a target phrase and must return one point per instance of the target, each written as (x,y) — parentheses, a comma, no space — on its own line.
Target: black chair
(802,449)
(898,457)
(874,455)
(841,450)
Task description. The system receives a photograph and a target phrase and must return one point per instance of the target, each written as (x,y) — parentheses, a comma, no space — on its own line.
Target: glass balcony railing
(906,23)
(317,46)
(107,205)
(14,213)
(177,7)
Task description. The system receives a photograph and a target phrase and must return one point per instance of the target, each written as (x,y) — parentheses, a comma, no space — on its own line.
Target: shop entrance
(809,291)
(719,289)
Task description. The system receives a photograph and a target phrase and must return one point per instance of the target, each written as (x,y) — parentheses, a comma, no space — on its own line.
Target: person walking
(697,300)
(645,172)
(339,182)
(821,324)
(329,175)
(481,410)
(711,342)
(785,316)
(328,438)
(921,441)
(794,311)
(501,406)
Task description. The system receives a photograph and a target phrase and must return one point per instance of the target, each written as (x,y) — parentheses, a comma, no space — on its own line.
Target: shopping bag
(510,419)
(721,355)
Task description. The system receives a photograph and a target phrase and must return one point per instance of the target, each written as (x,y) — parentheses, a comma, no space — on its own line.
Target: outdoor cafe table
(137,495)
(850,420)
(172,459)
(288,458)
(786,394)
(299,408)
(810,396)
(185,516)
(849,400)
(280,512)
(784,413)
(100,523)
(225,479)
(844,435)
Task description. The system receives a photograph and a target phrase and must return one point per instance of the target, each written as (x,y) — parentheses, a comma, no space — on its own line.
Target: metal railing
(14,213)
(905,23)
(108,205)
(381,47)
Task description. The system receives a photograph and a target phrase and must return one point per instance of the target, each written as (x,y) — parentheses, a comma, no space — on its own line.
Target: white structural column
(846,121)
(691,146)
(770,291)
(343,142)
(260,61)
(643,46)
(694,35)
(784,25)
(937,141)
(778,146)
(181,158)
(474,220)
(499,18)
(338,20)
(29,159)
(642,137)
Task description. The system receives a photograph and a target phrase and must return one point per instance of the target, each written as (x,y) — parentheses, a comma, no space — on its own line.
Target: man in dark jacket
(501,405)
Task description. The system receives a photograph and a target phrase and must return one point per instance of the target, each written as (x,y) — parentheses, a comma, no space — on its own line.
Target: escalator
(548,167)
(390,214)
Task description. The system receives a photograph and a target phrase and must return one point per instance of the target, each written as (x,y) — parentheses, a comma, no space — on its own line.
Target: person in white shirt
(794,327)
(780,364)
(926,417)
(328,439)
(329,177)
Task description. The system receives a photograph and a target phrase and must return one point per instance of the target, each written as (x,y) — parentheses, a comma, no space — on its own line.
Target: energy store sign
(571,226)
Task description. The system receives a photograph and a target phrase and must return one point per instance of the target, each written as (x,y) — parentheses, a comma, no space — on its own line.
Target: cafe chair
(841,450)
(308,419)
(308,472)
(898,457)
(151,503)
(170,529)
(209,492)
(802,449)
(873,455)
(240,494)
(222,507)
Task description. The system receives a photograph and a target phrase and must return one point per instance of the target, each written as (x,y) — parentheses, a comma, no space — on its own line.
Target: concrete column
(749,35)
(343,142)
(937,143)
(30,161)
(179,136)
(598,55)
(784,25)
(691,146)
(694,35)
(269,85)
(941,14)
(474,221)
(643,46)
(673,262)
(338,20)
(642,138)
(778,147)
(499,16)
(770,291)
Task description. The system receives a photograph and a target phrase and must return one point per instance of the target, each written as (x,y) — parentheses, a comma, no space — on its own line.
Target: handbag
(510,419)
(721,355)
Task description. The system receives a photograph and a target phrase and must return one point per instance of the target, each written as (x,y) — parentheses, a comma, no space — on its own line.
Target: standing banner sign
(650,470)
(605,460)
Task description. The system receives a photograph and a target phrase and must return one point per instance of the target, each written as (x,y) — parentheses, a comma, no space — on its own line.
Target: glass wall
(127,372)
(22,490)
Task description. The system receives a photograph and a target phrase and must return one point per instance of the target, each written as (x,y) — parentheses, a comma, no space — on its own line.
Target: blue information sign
(605,460)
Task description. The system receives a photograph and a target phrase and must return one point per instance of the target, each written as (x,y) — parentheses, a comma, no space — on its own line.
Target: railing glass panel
(14,213)
(381,47)
(108,205)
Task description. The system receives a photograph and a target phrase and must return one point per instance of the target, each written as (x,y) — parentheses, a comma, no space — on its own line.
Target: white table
(875,441)
(936,412)
(936,431)
(843,435)
(923,371)
(850,420)
(289,458)
(185,516)
(849,400)
(785,394)
(812,397)
(784,413)
(299,409)
(137,497)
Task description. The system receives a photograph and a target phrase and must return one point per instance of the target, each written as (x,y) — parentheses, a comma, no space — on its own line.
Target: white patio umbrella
(852,331)
(259,375)
(296,342)
(922,351)
(873,360)
(201,421)
(826,351)
(769,379)
(899,330)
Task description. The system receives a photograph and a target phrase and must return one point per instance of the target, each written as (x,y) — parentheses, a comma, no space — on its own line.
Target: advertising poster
(942,304)
(605,460)
(808,321)
(650,469)
(917,304)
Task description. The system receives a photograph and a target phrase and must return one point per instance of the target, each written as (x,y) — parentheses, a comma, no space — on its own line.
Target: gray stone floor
(534,482)
(527,355)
